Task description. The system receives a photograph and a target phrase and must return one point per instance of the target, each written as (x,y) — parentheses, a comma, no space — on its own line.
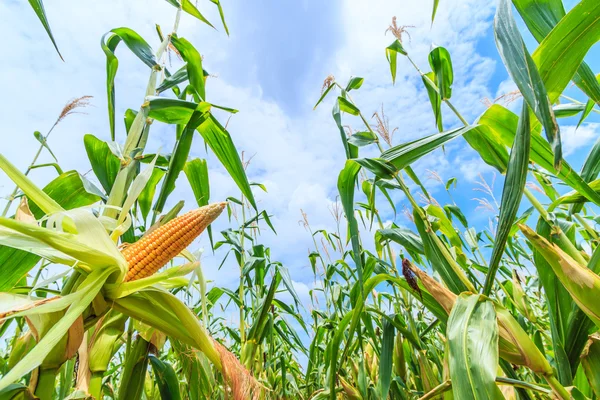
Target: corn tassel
(160,246)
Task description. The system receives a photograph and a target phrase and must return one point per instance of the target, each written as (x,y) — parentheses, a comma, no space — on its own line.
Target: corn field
(436,308)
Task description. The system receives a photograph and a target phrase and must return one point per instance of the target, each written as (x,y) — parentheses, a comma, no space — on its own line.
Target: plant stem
(96,385)
(13,195)
(436,391)
(557,388)
(44,388)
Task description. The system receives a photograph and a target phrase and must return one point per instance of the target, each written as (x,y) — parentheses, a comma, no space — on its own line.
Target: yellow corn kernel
(160,246)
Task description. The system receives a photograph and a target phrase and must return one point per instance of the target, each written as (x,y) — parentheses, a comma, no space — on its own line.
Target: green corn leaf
(347,107)
(434,11)
(181,75)
(165,378)
(45,202)
(360,139)
(40,138)
(354,83)
(147,196)
(135,370)
(568,109)
(502,126)
(193,59)
(385,358)
(188,7)
(38,8)
(434,99)
(82,298)
(473,348)
(69,190)
(170,111)
(391,52)
(109,43)
(105,165)
(346,185)
(403,236)
(441,259)
(512,192)
(441,64)
(407,153)
(180,154)
(337,117)
(165,312)
(541,17)
(220,142)
(196,171)
(221,14)
(525,74)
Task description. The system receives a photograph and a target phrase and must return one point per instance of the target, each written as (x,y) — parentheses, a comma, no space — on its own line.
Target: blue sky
(271,68)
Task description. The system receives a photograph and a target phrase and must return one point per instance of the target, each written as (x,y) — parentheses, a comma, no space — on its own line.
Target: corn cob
(156,249)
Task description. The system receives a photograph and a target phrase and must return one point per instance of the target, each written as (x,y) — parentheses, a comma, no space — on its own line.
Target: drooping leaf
(219,140)
(138,46)
(193,59)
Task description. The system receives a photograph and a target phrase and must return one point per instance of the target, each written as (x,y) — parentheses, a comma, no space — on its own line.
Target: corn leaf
(188,7)
(385,360)
(38,8)
(220,142)
(104,163)
(180,154)
(502,125)
(138,46)
(473,348)
(590,360)
(407,153)
(86,292)
(434,99)
(165,378)
(45,202)
(193,61)
(512,192)
(441,64)
(441,259)
(70,190)
(146,197)
(391,52)
(525,74)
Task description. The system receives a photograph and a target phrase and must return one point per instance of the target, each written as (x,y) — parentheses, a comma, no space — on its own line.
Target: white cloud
(297,156)
(573,139)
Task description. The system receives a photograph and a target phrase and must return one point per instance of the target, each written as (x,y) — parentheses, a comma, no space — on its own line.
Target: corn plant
(429,306)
